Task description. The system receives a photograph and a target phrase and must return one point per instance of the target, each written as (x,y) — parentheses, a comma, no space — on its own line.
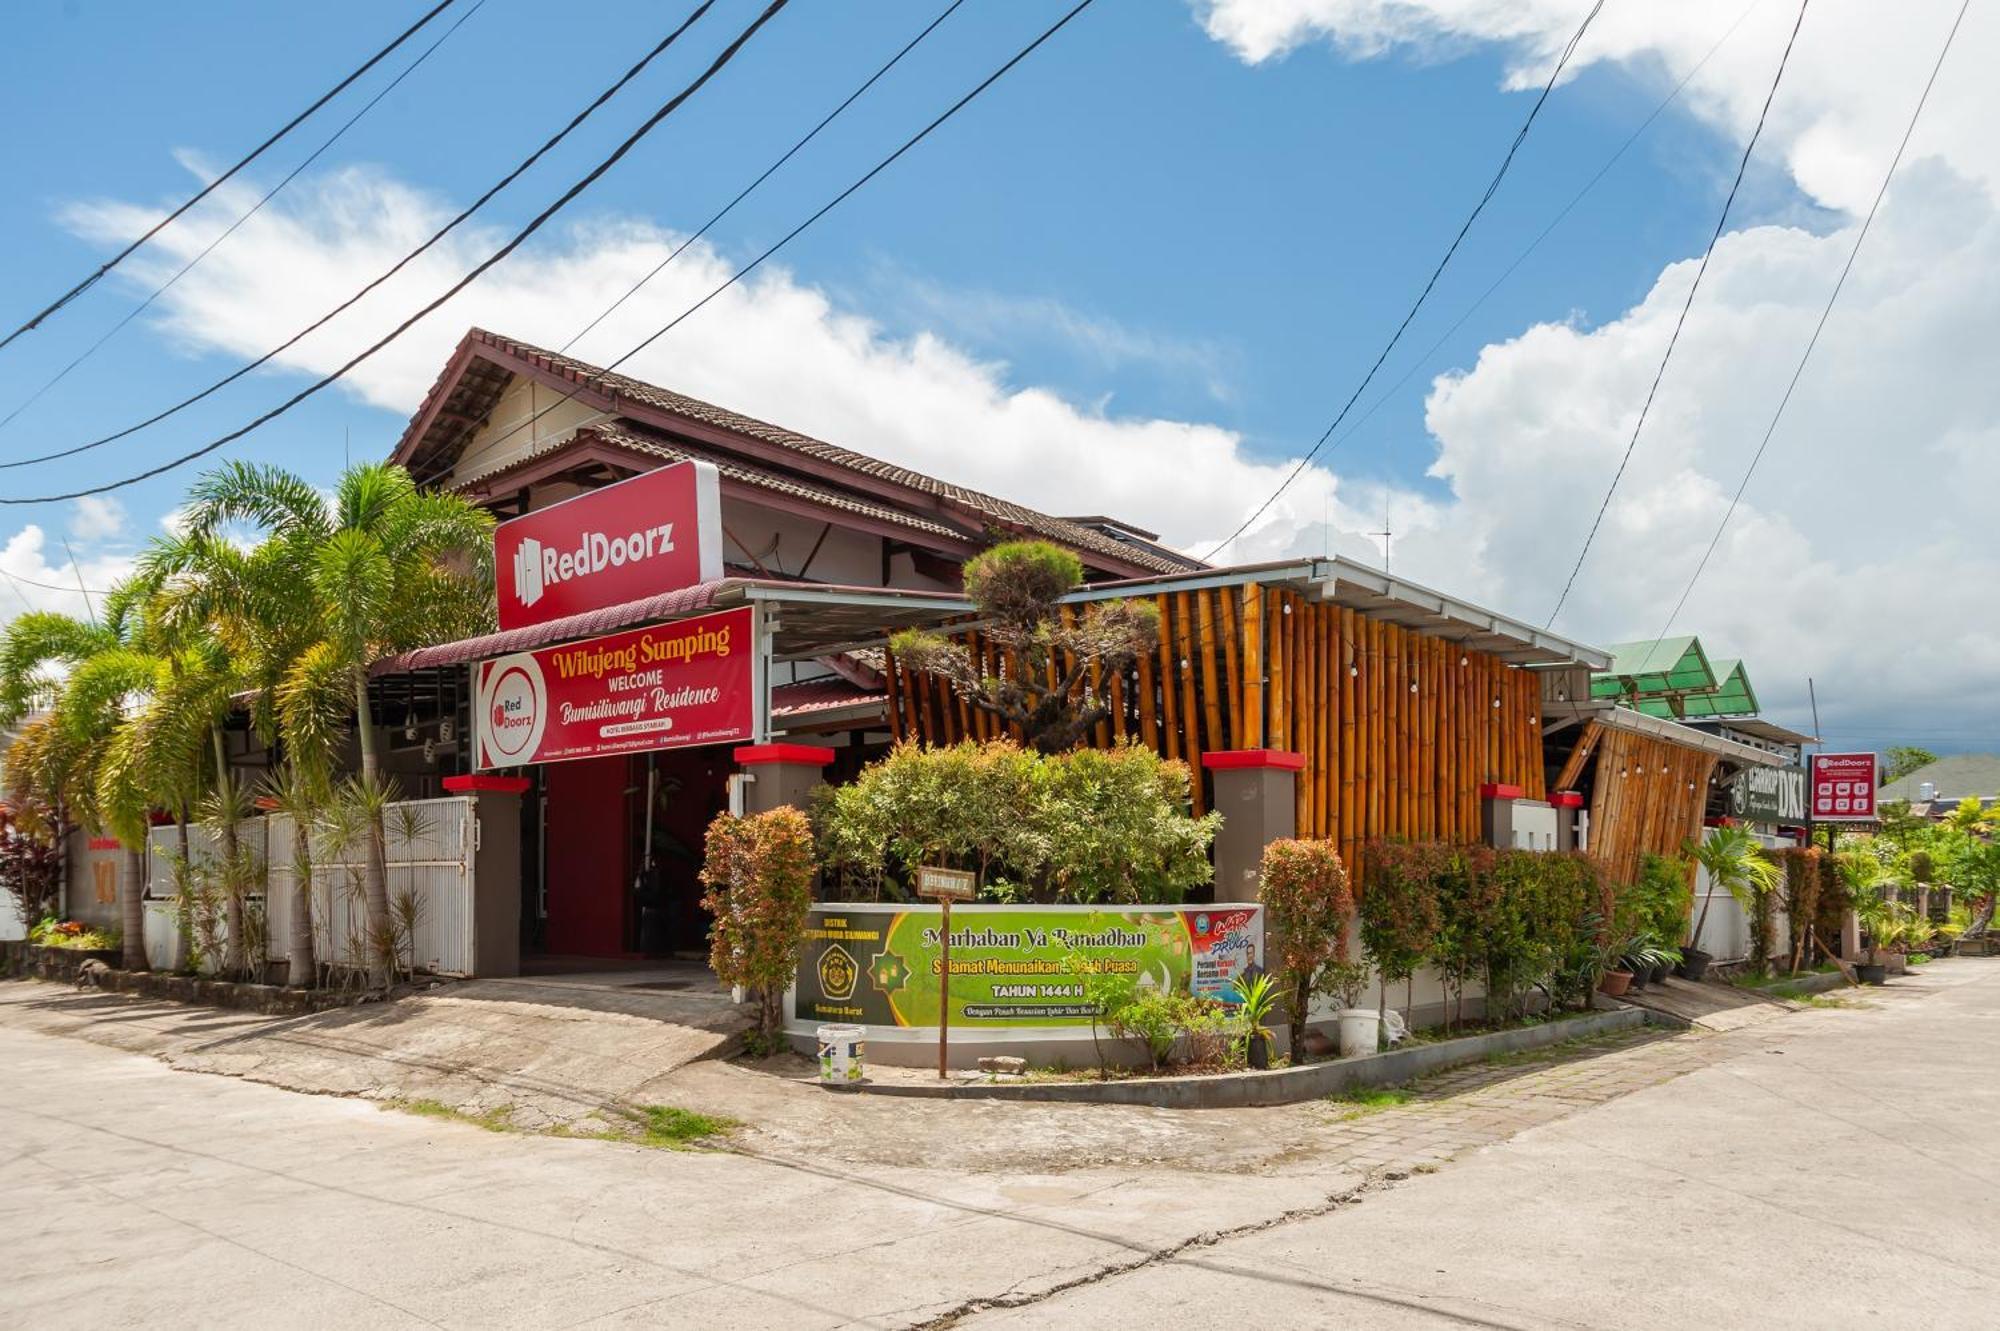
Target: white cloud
(32,581)
(96,518)
(1862,555)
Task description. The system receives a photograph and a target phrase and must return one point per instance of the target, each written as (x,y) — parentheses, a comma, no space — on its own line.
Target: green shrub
(1307,905)
(758,872)
(1399,906)
(1093,825)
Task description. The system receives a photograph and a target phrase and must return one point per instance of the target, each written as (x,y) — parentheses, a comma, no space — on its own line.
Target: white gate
(429,846)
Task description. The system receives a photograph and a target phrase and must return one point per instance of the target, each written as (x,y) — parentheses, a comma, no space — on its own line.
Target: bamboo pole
(1346,663)
(1149,724)
(1253,666)
(1231,630)
(1184,633)
(1276,666)
(1211,687)
(1169,680)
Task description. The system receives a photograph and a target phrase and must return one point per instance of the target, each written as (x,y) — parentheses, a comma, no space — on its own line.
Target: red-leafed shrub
(759,872)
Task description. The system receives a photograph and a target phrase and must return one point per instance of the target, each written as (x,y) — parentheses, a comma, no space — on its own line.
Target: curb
(1279,1086)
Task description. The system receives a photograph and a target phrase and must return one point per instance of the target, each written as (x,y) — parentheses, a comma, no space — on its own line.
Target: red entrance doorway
(618,883)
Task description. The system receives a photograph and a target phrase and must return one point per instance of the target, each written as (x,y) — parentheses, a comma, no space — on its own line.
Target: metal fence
(429,848)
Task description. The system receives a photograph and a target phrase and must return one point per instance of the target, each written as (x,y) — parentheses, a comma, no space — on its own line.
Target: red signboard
(1843,788)
(667,687)
(657,532)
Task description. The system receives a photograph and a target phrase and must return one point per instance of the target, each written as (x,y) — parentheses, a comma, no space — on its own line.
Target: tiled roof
(611,384)
(820,695)
(649,443)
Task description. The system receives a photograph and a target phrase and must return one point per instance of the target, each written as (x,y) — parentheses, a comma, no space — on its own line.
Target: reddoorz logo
(538,567)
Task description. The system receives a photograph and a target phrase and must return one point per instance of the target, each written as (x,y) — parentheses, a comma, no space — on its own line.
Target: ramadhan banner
(1011,966)
(665,687)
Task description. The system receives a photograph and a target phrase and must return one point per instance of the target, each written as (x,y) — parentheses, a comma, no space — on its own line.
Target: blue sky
(1146,222)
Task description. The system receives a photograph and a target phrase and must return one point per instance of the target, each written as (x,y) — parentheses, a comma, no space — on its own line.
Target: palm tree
(376,568)
(80,755)
(1735,862)
(299,791)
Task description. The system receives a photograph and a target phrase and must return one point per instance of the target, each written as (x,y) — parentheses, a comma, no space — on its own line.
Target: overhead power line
(767,173)
(252,211)
(1492,187)
(729,52)
(876,170)
(1818,328)
(217,183)
(1680,322)
(1673,95)
(595,103)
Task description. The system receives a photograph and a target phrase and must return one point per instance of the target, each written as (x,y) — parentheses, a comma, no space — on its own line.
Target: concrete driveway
(1825,1169)
(1839,1172)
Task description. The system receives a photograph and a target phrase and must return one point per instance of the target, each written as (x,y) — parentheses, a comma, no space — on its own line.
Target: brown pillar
(782,774)
(496,870)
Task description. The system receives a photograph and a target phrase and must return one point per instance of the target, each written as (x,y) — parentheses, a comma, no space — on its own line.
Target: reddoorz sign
(654,533)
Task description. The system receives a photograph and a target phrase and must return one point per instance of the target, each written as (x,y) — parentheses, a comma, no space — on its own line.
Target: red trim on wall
(105,843)
(1231,759)
(1567,799)
(505,785)
(808,755)
(1494,790)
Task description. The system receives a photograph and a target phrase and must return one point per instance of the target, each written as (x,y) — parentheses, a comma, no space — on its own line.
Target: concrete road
(1827,1169)
(133,1195)
(1841,1172)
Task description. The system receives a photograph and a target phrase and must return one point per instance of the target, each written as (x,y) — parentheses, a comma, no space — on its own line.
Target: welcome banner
(665,687)
(1012,966)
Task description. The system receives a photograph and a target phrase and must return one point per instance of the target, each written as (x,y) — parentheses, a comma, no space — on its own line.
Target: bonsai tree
(1048,688)
(1734,861)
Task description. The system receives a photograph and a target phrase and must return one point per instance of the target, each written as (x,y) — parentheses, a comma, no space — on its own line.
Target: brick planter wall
(62,964)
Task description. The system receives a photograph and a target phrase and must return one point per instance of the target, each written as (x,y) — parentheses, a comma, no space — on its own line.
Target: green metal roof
(1674,679)
(1671,665)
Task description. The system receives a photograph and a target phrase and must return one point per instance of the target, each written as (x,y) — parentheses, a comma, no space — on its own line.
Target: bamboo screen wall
(1648,796)
(1398,729)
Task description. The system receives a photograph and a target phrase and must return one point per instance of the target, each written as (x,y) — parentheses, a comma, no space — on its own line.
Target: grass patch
(1370,1100)
(664,1126)
(500,1118)
(1829,1000)
(675,1129)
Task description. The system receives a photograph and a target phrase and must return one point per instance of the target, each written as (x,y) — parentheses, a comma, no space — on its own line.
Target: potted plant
(1638,961)
(1665,960)
(1613,978)
(1256,998)
(1953,928)
(1887,930)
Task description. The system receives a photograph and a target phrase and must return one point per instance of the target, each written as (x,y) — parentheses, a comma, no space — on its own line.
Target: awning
(807,620)
(1614,717)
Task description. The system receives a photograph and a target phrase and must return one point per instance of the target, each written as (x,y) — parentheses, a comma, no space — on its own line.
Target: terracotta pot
(1614,983)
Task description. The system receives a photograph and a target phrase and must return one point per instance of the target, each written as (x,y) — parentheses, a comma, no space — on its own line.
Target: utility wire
(254,208)
(1390,392)
(829,206)
(394,268)
(1492,187)
(767,173)
(672,104)
(1721,221)
(1819,327)
(215,184)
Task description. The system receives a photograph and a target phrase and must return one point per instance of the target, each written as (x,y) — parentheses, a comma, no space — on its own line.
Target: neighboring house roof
(459,403)
(1955,777)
